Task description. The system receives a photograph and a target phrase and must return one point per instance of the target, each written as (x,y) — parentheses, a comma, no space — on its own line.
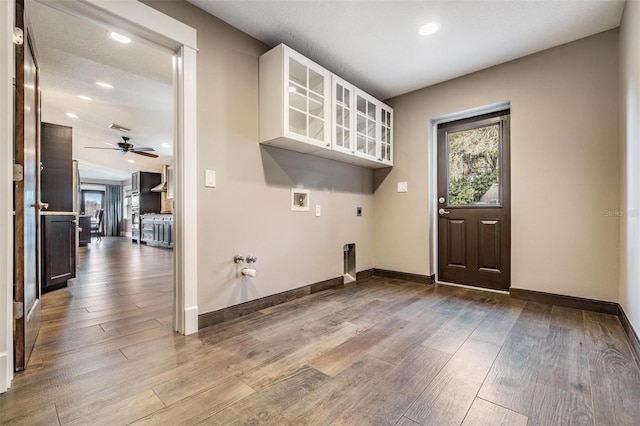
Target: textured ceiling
(374,43)
(73,54)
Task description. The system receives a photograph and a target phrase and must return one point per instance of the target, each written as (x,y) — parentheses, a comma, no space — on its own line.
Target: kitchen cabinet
(148,201)
(157,230)
(300,113)
(143,200)
(295,104)
(84,233)
(56,176)
(58,250)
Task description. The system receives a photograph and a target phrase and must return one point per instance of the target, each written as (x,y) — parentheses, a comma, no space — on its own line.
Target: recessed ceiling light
(429,28)
(131,161)
(86,98)
(119,37)
(103,84)
(71,115)
(166,145)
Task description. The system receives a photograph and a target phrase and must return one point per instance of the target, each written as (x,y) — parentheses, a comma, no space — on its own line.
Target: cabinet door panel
(59,246)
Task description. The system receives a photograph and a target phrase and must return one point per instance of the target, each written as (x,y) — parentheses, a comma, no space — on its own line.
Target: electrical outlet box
(300,199)
(318,210)
(402,187)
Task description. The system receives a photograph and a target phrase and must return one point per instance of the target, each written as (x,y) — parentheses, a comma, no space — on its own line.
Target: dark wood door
(59,251)
(26,198)
(474,203)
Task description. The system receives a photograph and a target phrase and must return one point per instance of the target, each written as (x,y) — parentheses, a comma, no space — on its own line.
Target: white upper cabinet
(295,101)
(385,132)
(342,138)
(305,108)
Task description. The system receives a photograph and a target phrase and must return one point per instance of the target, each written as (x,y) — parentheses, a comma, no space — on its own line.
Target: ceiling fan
(125,147)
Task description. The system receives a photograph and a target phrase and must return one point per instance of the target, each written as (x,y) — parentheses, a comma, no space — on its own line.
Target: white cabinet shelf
(305,108)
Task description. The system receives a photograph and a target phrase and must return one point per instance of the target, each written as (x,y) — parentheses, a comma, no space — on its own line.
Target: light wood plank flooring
(381,352)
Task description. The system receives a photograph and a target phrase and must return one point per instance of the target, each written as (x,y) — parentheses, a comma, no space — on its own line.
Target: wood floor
(381,352)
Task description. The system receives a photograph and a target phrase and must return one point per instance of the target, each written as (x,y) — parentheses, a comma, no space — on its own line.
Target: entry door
(26,198)
(474,226)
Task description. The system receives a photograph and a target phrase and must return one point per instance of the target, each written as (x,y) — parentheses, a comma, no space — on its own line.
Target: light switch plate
(402,187)
(210,178)
(318,210)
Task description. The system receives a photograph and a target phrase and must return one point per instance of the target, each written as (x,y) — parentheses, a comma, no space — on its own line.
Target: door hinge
(17,310)
(18,36)
(18,173)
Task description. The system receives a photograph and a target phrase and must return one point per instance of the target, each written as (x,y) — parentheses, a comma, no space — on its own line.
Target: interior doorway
(152,25)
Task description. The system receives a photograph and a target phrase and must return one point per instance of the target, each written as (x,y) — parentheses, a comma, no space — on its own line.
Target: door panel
(474,201)
(456,241)
(489,249)
(26,198)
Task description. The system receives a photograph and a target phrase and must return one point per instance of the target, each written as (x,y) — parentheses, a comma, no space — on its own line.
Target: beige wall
(630,162)
(564,168)
(565,175)
(249,210)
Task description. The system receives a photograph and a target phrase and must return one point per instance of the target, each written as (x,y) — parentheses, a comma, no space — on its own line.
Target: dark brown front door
(26,198)
(474,221)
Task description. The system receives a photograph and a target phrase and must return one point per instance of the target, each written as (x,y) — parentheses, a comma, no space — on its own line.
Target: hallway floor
(382,352)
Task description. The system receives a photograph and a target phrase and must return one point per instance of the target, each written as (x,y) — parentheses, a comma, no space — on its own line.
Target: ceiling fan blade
(146,154)
(141,149)
(99,147)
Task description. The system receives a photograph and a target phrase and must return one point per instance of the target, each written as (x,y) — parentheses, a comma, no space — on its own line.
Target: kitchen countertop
(47,213)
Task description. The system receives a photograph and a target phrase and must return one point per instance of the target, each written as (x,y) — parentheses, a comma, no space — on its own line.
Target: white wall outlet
(318,210)
(402,187)
(210,178)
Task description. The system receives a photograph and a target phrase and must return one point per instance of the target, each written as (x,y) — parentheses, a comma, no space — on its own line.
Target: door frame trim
(153,25)
(7,13)
(432,175)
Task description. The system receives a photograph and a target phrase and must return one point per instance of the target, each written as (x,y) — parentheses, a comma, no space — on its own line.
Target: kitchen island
(156,229)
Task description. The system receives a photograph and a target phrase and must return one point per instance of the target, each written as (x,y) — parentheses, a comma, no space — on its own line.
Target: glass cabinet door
(366,128)
(386,135)
(307,100)
(342,136)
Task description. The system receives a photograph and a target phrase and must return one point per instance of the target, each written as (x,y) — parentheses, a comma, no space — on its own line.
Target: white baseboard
(5,380)
(191,320)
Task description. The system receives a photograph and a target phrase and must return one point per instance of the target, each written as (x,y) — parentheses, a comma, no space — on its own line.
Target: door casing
(432,164)
(146,22)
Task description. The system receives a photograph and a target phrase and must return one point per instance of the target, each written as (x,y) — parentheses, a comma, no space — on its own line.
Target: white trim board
(7,13)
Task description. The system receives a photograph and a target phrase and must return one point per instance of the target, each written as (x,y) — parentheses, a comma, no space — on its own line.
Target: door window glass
(473,166)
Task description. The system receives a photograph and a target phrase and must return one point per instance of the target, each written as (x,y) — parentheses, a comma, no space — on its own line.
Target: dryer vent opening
(349,263)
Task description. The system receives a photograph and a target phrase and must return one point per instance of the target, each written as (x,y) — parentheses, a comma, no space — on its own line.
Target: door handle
(442,212)
(40,205)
